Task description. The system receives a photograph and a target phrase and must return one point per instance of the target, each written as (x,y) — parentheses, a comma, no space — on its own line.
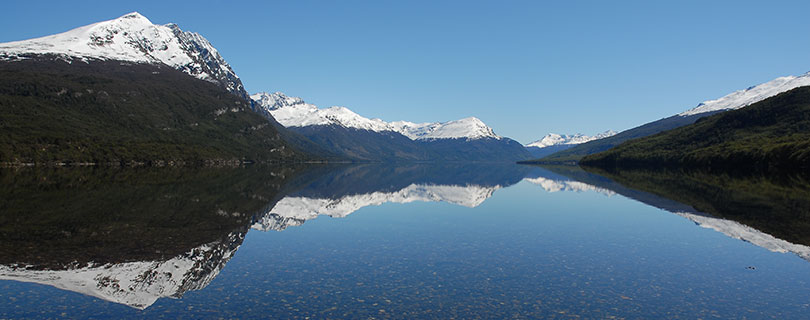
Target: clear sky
(524,68)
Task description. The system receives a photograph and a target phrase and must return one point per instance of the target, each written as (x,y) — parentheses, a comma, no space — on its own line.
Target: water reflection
(769,212)
(132,236)
(553,182)
(137,235)
(128,236)
(339,191)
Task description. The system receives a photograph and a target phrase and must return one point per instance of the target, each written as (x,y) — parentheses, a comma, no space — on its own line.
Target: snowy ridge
(137,284)
(294,112)
(745,233)
(750,95)
(294,211)
(553,139)
(567,185)
(132,37)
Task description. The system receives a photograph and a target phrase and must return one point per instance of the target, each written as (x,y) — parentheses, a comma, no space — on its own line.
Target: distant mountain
(772,135)
(340,130)
(735,100)
(553,142)
(126,90)
(294,112)
(553,139)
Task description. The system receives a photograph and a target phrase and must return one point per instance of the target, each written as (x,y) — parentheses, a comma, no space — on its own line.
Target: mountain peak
(132,37)
(135,16)
(554,139)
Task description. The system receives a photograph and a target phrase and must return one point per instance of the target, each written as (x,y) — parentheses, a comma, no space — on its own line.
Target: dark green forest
(116,112)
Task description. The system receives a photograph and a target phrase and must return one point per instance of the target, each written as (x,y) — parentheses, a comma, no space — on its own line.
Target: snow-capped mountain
(751,95)
(295,210)
(134,38)
(137,284)
(553,139)
(294,112)
(735,100)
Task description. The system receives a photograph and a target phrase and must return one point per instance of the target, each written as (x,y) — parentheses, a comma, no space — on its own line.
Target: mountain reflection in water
(769,212)
(129,236)
(132,236)
(339,191)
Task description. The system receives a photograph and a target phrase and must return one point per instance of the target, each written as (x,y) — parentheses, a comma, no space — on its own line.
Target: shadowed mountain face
(770,212)
(389,146)
(131,235)
(114,112)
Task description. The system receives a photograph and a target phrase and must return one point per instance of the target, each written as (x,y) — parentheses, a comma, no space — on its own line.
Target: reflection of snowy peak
(567,185)
(742,98)
(553,139)
(293,211)
(137,284)
(745,233)
(133,37)
(294,112)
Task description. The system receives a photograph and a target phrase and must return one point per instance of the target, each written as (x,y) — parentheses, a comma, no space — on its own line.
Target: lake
(407,241)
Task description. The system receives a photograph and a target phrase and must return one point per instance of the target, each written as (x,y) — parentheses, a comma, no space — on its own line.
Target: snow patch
(750,95)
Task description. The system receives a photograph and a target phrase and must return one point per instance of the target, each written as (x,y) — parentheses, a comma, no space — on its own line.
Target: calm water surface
(381,242)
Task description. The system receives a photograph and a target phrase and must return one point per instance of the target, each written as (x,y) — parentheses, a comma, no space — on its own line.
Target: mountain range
(127,91)
(342,131)
(132,42)
(769,136)
(732,101)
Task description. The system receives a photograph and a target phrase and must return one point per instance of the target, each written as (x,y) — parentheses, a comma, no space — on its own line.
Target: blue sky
(524,68)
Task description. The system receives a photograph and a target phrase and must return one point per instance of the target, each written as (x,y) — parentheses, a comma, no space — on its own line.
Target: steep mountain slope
(735,100)
(127,90)
(770,135)
(115,112)
(553,142)
(341,131)
(132,37)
